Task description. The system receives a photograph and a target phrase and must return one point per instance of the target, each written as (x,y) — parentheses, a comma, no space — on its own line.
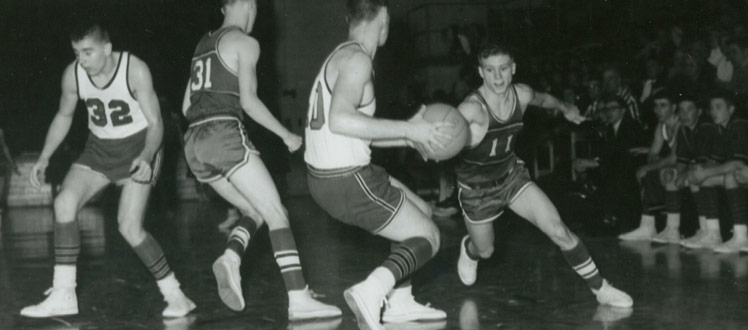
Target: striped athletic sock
(737,204)
(710,202)
(67,243)
(287,257)
(409,256)
(240,235)
(672,202)
(579,259)
(153,258)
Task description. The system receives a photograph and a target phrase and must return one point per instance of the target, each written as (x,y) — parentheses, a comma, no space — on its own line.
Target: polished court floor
(526,285)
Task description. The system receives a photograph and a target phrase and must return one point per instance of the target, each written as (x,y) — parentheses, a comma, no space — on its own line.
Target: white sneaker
(467,268)
(366,301)
(402,307)
(326,324)
(59,302)
(610,296)
(433,325)
(668,235)
(229,281)
(638,234)
(732,246)
(303,306)
(696,237)
(708,241)
(609,315)
(177,304)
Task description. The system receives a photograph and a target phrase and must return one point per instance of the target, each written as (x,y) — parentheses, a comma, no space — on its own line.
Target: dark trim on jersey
(497,161)
(77,84)
(127,77)
(215,48)
(215,92)
(487,107)
(327,62)
(114,77)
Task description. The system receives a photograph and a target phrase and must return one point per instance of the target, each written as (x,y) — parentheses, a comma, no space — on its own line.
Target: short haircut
(741,42)
(688,96)
(724,94)
(664,94)
(489,50)
(89,29)
(363,10)
(612,97)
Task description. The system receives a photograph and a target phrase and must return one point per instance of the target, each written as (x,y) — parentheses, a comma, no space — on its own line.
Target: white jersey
(113,112)
(325,149)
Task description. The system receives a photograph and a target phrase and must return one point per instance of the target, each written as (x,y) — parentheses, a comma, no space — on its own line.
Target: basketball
(440,112)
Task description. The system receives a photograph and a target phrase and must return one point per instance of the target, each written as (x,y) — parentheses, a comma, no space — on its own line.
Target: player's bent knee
(132,233)
(66,207)
(562,237)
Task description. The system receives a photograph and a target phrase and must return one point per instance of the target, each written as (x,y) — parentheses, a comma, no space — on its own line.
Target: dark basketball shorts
(359,196)
(216,147)
(485,202)
(112,158)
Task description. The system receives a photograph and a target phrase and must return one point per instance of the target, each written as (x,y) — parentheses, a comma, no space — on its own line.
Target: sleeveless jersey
(214,87)
(113,112)
(494,156)
(325,149)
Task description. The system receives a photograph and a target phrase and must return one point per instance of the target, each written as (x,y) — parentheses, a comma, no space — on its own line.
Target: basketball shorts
(360,196)
(485,202)
(112,158)
(216,147)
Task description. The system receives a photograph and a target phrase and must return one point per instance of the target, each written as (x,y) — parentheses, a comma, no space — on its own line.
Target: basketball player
(123,147)
(728,153)
(689,152)
(660,159)
(223,85)
(345,184)
(491,177)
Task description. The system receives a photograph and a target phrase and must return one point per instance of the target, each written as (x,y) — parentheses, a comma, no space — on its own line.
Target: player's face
(497,72)
(688,113)
(92,54)
(663,109)
(720,111)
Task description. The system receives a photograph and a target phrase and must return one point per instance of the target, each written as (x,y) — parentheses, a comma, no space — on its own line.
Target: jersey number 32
(119,113)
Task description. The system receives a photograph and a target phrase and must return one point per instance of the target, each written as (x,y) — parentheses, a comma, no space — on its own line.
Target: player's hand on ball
(140,170)
(36,176)
(292,141)
(428,134)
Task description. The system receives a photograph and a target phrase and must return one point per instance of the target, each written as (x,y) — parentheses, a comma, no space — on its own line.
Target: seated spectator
(660,156)
(728,147)
(612,84)
(737,53)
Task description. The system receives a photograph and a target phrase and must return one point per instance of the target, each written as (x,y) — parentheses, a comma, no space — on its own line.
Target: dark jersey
(737,137)
(712,144)
(494,156)
(214,87)
(686,150)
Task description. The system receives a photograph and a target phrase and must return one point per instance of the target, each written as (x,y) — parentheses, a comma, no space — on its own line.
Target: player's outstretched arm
(528,96)
(60,124)
(354,71)
(142,88)
(248,50)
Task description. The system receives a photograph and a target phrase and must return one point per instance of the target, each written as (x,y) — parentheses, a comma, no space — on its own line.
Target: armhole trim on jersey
(127,77)
(77,84)
(327,61)
(218,52)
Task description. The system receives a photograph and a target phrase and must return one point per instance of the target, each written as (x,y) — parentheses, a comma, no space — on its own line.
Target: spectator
(612,84)
(737,53)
